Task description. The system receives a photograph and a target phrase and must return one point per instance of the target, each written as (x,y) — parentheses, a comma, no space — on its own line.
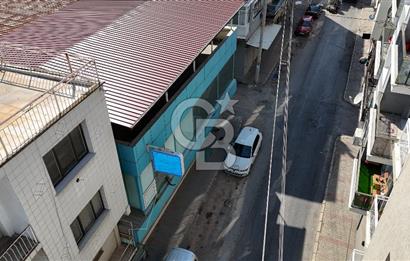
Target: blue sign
(167,162)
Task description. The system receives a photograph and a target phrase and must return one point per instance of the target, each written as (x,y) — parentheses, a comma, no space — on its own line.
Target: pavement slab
(335,237)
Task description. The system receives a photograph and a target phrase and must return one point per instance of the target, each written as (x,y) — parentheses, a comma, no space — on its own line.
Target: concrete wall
(12,217)
(245,57)
(49,212)
(135,161)
(392,235)
(395,103)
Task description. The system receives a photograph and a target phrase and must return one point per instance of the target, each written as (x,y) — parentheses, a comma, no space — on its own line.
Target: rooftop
(140,54)
(15,13)
(33,97)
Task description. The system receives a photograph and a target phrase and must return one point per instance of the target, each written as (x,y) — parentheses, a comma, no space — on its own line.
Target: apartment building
(152,56)
(381,169)
(248,22)
(61,188)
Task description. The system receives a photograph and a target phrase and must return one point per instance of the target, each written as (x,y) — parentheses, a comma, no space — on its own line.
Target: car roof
(307,18)
(180,254)
(247,136)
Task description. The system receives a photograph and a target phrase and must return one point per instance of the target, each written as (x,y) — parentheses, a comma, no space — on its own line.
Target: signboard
(167,162)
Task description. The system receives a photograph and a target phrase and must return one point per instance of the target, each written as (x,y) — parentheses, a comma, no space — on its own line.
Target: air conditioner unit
(358,137)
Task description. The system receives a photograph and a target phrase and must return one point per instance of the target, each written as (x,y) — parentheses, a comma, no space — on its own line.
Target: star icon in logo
(227,104)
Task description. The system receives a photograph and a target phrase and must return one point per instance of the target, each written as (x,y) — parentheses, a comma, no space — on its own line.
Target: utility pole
(259,60)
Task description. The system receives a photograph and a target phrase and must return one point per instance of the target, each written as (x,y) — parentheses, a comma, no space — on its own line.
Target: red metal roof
(140,54)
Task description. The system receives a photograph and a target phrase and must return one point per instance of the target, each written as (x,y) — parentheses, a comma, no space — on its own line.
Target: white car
(180,254)
(243,152)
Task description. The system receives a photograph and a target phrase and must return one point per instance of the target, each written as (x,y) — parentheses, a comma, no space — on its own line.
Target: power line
(285,140)
(273,135)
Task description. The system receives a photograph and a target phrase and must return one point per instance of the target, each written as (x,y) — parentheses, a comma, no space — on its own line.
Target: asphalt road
(221,217)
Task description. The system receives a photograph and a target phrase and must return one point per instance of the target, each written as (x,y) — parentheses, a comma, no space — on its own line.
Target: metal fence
(60,88)
(21,248)
(376,211)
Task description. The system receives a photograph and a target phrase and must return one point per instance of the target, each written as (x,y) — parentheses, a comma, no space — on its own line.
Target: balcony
(34,96)
(383,132)
(357,255)
(368,181)
(376,212)
(19,247)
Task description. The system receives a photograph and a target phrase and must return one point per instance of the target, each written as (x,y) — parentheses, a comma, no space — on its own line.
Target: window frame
(95,215)
(77,158)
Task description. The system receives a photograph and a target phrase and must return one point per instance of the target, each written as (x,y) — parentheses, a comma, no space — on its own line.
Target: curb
(322,210)
(345,98)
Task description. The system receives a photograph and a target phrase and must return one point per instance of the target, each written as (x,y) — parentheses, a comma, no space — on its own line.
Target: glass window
(52,167)
(77,231)
(241,150)
(97,204)
(78,141)
(225,77)
(65,155)
(87,217)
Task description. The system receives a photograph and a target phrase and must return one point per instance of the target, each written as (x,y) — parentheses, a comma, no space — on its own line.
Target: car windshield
(306,24)
(241,150)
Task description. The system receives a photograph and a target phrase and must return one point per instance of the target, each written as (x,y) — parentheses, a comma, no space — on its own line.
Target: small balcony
(400,60)
(357,255)
(376,211)
(383,132)
(368,181)
(18,247)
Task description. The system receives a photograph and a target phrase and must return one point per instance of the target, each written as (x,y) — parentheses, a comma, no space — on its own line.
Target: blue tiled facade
(135,160)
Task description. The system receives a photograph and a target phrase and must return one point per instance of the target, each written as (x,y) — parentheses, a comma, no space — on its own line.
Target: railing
(21,248)
(59,94)
(357,255)
(403,77)
(376,211)
(358,200)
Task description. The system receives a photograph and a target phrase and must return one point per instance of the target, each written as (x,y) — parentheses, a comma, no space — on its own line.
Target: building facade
(152,56)
(381,168)
(61,189)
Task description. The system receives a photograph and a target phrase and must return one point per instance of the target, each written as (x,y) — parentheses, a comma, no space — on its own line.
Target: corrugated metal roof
(143,52)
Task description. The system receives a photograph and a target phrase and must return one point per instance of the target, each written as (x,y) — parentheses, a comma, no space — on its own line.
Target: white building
(384,134)
(61,188)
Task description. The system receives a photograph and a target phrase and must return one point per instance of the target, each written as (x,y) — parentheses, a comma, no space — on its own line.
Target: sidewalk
(357,70)
(336,232)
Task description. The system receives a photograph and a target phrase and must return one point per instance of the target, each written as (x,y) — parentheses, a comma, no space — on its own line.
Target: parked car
(180,254)
(243,151)
(314,10)
(304,26)
(334,6)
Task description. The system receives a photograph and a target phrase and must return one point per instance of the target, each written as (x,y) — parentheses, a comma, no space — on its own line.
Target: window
(241,150)
(65,155)
(87,217)
(225,76)
(255,143)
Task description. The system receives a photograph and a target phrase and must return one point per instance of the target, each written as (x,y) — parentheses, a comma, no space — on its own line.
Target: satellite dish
(358,99)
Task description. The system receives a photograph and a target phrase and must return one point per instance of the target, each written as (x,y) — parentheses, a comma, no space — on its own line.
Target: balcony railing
(357,255)
(366,184)
(403,77)
(376,211)
(21,247)
(56,90)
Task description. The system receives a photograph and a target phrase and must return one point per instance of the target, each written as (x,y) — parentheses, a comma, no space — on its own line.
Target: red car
(304,26)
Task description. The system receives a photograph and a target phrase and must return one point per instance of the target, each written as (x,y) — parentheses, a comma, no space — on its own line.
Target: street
(220,217)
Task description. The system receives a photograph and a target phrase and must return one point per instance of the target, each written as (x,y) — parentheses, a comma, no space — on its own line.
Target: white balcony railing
(57,90)
(357,255)
(376,211)
(21,247)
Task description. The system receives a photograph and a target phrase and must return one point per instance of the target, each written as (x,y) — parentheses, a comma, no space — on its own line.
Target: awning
(269,35)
